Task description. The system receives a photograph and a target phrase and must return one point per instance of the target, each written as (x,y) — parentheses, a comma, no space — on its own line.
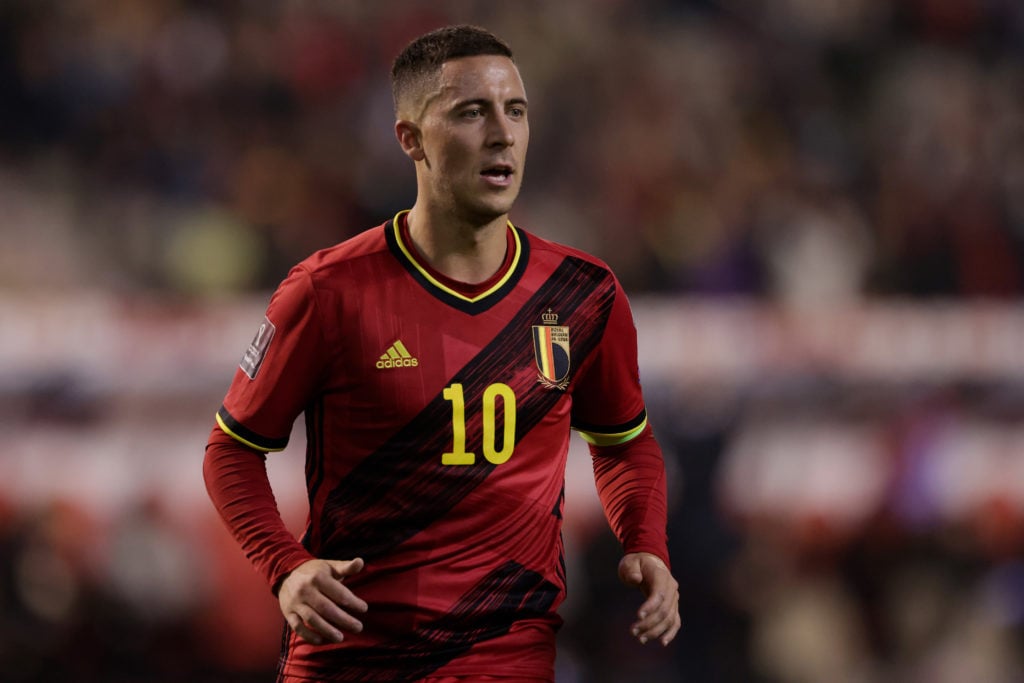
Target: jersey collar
(405,253)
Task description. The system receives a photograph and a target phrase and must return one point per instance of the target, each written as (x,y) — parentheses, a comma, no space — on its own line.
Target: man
(440,360)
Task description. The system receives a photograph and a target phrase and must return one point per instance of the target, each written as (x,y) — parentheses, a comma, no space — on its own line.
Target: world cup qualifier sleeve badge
(257,351)
(551,351)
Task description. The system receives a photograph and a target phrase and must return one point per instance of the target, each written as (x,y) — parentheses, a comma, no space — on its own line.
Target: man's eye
(516,111)
(471,113)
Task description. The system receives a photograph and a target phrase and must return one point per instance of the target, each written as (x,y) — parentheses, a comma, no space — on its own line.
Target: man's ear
(408,134)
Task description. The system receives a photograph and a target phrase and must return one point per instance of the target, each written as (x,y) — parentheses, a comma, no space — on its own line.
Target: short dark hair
(423,57)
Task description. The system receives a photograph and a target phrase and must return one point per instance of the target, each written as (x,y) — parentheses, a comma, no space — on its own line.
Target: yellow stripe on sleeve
(227,430)
(598,439)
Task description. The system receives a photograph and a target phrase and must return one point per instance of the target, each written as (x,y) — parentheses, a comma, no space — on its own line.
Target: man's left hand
(658,617)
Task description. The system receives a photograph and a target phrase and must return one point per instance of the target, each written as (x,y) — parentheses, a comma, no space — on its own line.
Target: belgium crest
(551,351)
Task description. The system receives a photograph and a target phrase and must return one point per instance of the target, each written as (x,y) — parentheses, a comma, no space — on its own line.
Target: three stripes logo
(397,356)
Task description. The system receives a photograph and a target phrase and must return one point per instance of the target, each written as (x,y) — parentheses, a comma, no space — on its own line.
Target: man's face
(474,137)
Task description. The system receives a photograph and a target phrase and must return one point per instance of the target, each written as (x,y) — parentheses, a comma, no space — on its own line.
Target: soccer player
(440,360)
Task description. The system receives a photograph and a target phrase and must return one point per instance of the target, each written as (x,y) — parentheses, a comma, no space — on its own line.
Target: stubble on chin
(482,211)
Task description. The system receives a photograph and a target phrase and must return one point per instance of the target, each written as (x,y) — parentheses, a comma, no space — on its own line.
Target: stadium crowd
(701,147)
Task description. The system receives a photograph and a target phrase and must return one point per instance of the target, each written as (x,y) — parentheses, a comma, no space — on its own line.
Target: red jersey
(438,427)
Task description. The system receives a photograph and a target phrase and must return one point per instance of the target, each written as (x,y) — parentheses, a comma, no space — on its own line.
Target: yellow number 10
(459,455)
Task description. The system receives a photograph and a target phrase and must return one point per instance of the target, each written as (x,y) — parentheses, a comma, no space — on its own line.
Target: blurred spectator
(890,135)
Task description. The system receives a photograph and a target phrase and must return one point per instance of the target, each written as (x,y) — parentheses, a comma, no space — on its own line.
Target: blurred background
(817,207)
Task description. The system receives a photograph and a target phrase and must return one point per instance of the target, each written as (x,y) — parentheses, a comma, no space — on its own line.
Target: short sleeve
(608,405)
(280,370)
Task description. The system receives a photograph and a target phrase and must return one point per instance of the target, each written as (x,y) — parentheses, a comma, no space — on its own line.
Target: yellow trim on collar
(435,282)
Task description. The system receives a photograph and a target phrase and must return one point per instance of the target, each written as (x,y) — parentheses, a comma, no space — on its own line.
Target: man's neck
(461,250)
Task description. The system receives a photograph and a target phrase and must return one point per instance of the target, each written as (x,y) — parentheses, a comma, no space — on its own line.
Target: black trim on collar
(472,307)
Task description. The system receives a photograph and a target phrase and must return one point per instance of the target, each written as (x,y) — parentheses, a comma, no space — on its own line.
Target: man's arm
(311,593)
(630,480)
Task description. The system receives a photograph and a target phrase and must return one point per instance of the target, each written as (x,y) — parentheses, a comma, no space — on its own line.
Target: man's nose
(500,131)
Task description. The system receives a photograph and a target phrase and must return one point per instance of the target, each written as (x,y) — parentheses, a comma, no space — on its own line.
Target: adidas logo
(397,356)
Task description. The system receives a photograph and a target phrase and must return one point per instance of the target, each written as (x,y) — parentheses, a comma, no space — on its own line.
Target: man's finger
(297,625)
(323,628)
(327,607)
(651,605)
(630,572)
(656,625)
(671,634)
(343,568)
(657,617)
(339,594)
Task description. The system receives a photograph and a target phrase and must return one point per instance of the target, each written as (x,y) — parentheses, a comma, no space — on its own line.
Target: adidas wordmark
(397,356)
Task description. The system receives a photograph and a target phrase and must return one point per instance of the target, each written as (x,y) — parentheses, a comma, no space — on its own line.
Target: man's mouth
(498,172)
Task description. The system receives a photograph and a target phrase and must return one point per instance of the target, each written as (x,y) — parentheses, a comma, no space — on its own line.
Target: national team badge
(551,351)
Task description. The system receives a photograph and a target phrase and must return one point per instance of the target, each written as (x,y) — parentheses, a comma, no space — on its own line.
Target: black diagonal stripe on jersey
(489,609)
(402,488)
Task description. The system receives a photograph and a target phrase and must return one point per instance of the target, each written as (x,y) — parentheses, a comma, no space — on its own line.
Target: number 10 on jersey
(492,452)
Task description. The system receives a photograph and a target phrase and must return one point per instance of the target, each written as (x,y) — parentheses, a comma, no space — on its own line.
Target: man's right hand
(317,604)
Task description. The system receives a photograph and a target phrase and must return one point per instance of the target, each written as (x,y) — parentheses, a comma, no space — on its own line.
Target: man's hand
(317,605)
(658,617)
